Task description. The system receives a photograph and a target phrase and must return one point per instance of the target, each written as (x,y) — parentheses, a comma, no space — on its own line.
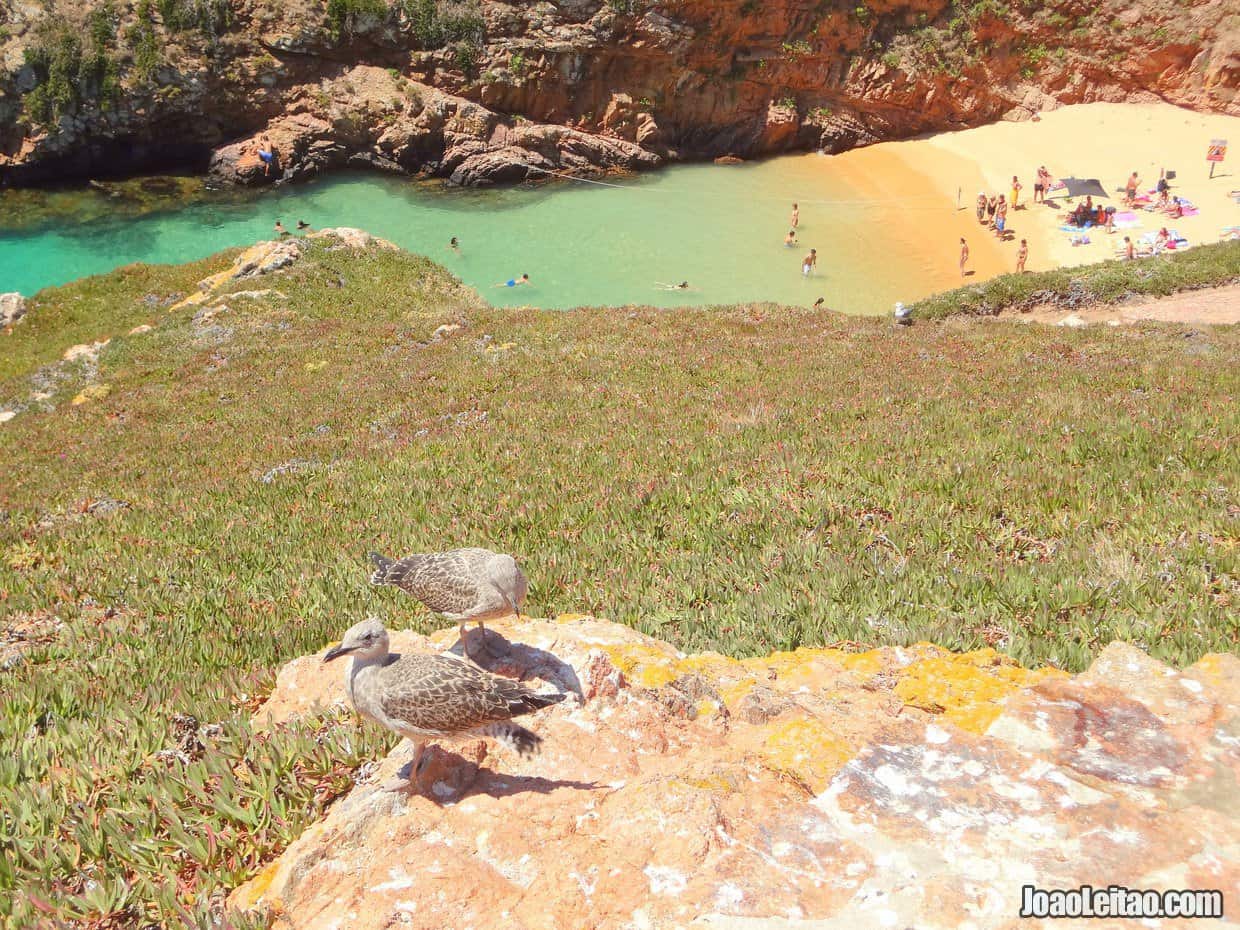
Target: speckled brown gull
(461,584)
(425,697)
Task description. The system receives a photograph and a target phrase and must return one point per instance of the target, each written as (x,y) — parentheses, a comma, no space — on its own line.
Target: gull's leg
(465,642)
(398,783)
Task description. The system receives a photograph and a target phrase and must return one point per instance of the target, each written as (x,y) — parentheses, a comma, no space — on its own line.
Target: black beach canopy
(1080,187)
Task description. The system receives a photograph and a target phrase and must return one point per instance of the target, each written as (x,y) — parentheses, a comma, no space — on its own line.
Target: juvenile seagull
(425,697)
(461,584)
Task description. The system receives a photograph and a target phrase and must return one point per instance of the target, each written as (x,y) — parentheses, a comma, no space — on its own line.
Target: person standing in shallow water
(796,216)
(809,262)
(964,255)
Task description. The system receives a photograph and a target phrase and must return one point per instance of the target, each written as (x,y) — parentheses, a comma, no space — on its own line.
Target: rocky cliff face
(892,788)
(480,90)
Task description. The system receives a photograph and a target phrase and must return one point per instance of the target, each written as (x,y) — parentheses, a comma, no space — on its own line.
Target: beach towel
(1191,211)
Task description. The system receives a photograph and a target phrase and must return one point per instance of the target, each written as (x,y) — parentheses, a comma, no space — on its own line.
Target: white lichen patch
(729,895)
(665,881)
(398,880)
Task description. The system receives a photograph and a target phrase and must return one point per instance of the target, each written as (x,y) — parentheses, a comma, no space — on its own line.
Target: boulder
(898,787)
(12,308)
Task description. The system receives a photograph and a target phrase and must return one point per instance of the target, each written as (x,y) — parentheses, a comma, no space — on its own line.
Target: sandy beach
(1098,140)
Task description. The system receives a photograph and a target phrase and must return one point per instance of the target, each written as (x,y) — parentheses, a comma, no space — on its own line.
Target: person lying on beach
(1161,240)
(1176,209)
(515,282)
(809,262)
(791,239)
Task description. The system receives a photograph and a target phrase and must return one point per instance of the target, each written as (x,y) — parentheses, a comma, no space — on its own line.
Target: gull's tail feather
(516,737)
(383,566)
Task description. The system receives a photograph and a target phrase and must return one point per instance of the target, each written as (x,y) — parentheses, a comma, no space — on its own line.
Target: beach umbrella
(1080,187)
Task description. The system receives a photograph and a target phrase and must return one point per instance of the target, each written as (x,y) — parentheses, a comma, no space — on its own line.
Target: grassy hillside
(1103,283)
(740,479)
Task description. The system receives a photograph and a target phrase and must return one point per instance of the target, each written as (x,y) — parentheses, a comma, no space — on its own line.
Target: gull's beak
(337,651)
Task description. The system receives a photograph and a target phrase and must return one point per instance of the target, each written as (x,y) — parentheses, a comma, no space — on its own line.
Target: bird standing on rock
(423,697)
(461,584)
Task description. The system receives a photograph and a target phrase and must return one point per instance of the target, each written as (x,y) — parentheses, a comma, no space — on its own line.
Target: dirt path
(1218,305)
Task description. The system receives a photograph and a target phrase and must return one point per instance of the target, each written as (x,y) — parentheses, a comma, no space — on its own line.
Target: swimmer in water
(302,225)
(682,286)
(454,245)
(819,303)
(515,282)
(791,239)
(280,230)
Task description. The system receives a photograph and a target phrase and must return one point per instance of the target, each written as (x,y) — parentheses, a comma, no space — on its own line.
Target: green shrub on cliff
(68,75)
(439,24)
(345,18)
(210,17)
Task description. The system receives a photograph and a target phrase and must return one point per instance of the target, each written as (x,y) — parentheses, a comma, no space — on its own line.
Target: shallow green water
(720,228)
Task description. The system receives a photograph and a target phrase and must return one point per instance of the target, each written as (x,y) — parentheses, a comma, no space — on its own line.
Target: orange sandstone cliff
(484,91)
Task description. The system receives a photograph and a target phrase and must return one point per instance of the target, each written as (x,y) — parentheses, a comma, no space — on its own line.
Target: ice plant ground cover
(741,479)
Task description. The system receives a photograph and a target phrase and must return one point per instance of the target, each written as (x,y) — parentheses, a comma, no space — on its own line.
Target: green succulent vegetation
(1106,282)
(740,479)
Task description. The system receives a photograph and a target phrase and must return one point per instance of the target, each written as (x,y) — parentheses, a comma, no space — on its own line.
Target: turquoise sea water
(719,228)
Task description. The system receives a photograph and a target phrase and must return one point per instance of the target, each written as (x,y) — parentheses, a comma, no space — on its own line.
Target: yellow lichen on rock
(251,894)
(967,689)
(644,666)
(94,392)
(806,750)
